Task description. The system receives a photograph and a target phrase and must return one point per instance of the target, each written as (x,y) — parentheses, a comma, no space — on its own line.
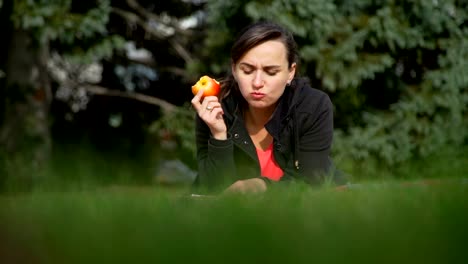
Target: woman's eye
(272,73)
(247,71)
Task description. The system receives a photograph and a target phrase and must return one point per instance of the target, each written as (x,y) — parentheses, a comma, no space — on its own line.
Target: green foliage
(447,162)
(51,20)
(396,70)
(101,49)
(224,19)
(177,126)
(55,21)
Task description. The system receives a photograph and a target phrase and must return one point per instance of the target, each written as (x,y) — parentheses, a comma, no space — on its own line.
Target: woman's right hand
(210,111)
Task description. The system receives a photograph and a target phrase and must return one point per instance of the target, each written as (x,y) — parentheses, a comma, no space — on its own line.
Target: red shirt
(269,167)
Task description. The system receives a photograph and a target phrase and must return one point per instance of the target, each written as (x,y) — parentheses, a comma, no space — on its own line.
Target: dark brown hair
(252,36)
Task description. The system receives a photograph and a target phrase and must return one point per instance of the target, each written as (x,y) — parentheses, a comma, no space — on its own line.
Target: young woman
(266,125)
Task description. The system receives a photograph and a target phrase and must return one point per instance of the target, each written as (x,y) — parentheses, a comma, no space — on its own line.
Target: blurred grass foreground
(91,209)
(372,223)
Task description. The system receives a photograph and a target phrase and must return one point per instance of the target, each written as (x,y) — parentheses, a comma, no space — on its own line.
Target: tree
(75,51)
(395,69)
(33,28)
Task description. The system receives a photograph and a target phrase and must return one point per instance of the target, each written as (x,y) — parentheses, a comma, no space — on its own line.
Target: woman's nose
(258,80)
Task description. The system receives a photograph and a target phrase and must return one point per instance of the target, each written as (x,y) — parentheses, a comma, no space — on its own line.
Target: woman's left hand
(254,185)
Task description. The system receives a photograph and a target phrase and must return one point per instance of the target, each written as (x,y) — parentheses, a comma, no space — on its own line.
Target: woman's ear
(292,72)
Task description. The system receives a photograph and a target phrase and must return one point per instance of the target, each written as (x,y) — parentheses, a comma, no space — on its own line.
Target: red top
(269,167)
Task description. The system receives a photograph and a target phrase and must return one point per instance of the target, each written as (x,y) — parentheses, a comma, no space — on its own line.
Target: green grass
(449,162)
(90,211)
(386,224)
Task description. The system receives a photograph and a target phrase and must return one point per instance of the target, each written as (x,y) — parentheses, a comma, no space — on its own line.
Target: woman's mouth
(257,95)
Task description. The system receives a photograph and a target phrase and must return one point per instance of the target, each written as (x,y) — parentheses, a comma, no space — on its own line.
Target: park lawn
(88,212)
(391,222)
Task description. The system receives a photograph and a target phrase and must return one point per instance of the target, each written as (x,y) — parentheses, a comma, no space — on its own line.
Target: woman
(267,125)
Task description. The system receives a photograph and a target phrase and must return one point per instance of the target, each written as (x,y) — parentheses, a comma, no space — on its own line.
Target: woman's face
(262,74)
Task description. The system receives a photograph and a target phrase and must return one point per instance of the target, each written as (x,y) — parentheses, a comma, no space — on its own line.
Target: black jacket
(302,130)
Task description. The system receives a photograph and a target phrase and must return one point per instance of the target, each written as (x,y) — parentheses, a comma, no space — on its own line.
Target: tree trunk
(25,140)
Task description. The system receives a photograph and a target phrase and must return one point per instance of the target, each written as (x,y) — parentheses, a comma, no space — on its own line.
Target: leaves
(396,70)
(371,51)
(51,20)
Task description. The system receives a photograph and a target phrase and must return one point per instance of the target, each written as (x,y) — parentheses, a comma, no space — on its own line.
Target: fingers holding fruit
(211,113)
(209,110)
(208,106)
(197,101)
(204,104)
(210,103)
(204,87)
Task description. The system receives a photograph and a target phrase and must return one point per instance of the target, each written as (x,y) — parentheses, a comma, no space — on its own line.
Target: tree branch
(183,53)
(131,18)
(170,22)
(99,90)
